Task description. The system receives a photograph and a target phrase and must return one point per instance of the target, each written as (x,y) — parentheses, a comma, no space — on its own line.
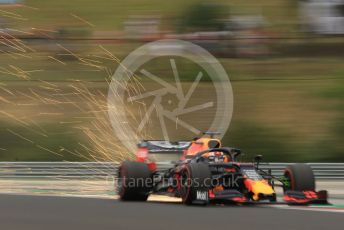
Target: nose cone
(260,188)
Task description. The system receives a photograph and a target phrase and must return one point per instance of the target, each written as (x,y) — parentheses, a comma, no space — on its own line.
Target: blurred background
(284,58)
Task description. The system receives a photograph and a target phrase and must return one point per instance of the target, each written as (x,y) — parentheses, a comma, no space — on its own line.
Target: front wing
(290,197)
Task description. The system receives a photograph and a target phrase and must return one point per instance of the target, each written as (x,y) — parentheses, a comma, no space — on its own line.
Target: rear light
(152,166)
(142,154)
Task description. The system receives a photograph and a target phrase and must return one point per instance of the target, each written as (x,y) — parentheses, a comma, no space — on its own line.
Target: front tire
(134,181)
(300,178)
(196,177)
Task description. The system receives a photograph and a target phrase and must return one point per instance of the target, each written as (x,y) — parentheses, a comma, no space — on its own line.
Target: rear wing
(163,146)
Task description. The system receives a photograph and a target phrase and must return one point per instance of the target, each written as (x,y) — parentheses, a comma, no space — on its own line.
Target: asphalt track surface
(44,212)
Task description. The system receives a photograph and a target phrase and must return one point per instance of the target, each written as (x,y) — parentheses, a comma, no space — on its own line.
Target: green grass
(109,15)
(103,14)
(256,139)
(292,111)
(36,147)
(288,109)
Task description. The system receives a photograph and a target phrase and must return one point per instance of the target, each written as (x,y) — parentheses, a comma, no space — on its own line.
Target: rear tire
(301,178)
(195,177)
(134,181)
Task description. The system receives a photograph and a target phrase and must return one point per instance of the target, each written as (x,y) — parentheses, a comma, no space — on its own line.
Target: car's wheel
(134,181)
(195,181)
(299,177)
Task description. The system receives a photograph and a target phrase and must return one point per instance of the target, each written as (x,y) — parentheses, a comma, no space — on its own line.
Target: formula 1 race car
(202,172)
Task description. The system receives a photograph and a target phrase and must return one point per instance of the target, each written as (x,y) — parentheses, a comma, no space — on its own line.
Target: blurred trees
(204,17)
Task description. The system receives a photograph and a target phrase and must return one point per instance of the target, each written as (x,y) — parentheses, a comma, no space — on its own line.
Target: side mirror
(234,153)
(257,159)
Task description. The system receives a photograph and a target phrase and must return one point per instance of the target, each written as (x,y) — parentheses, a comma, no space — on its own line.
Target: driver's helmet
(216,157)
